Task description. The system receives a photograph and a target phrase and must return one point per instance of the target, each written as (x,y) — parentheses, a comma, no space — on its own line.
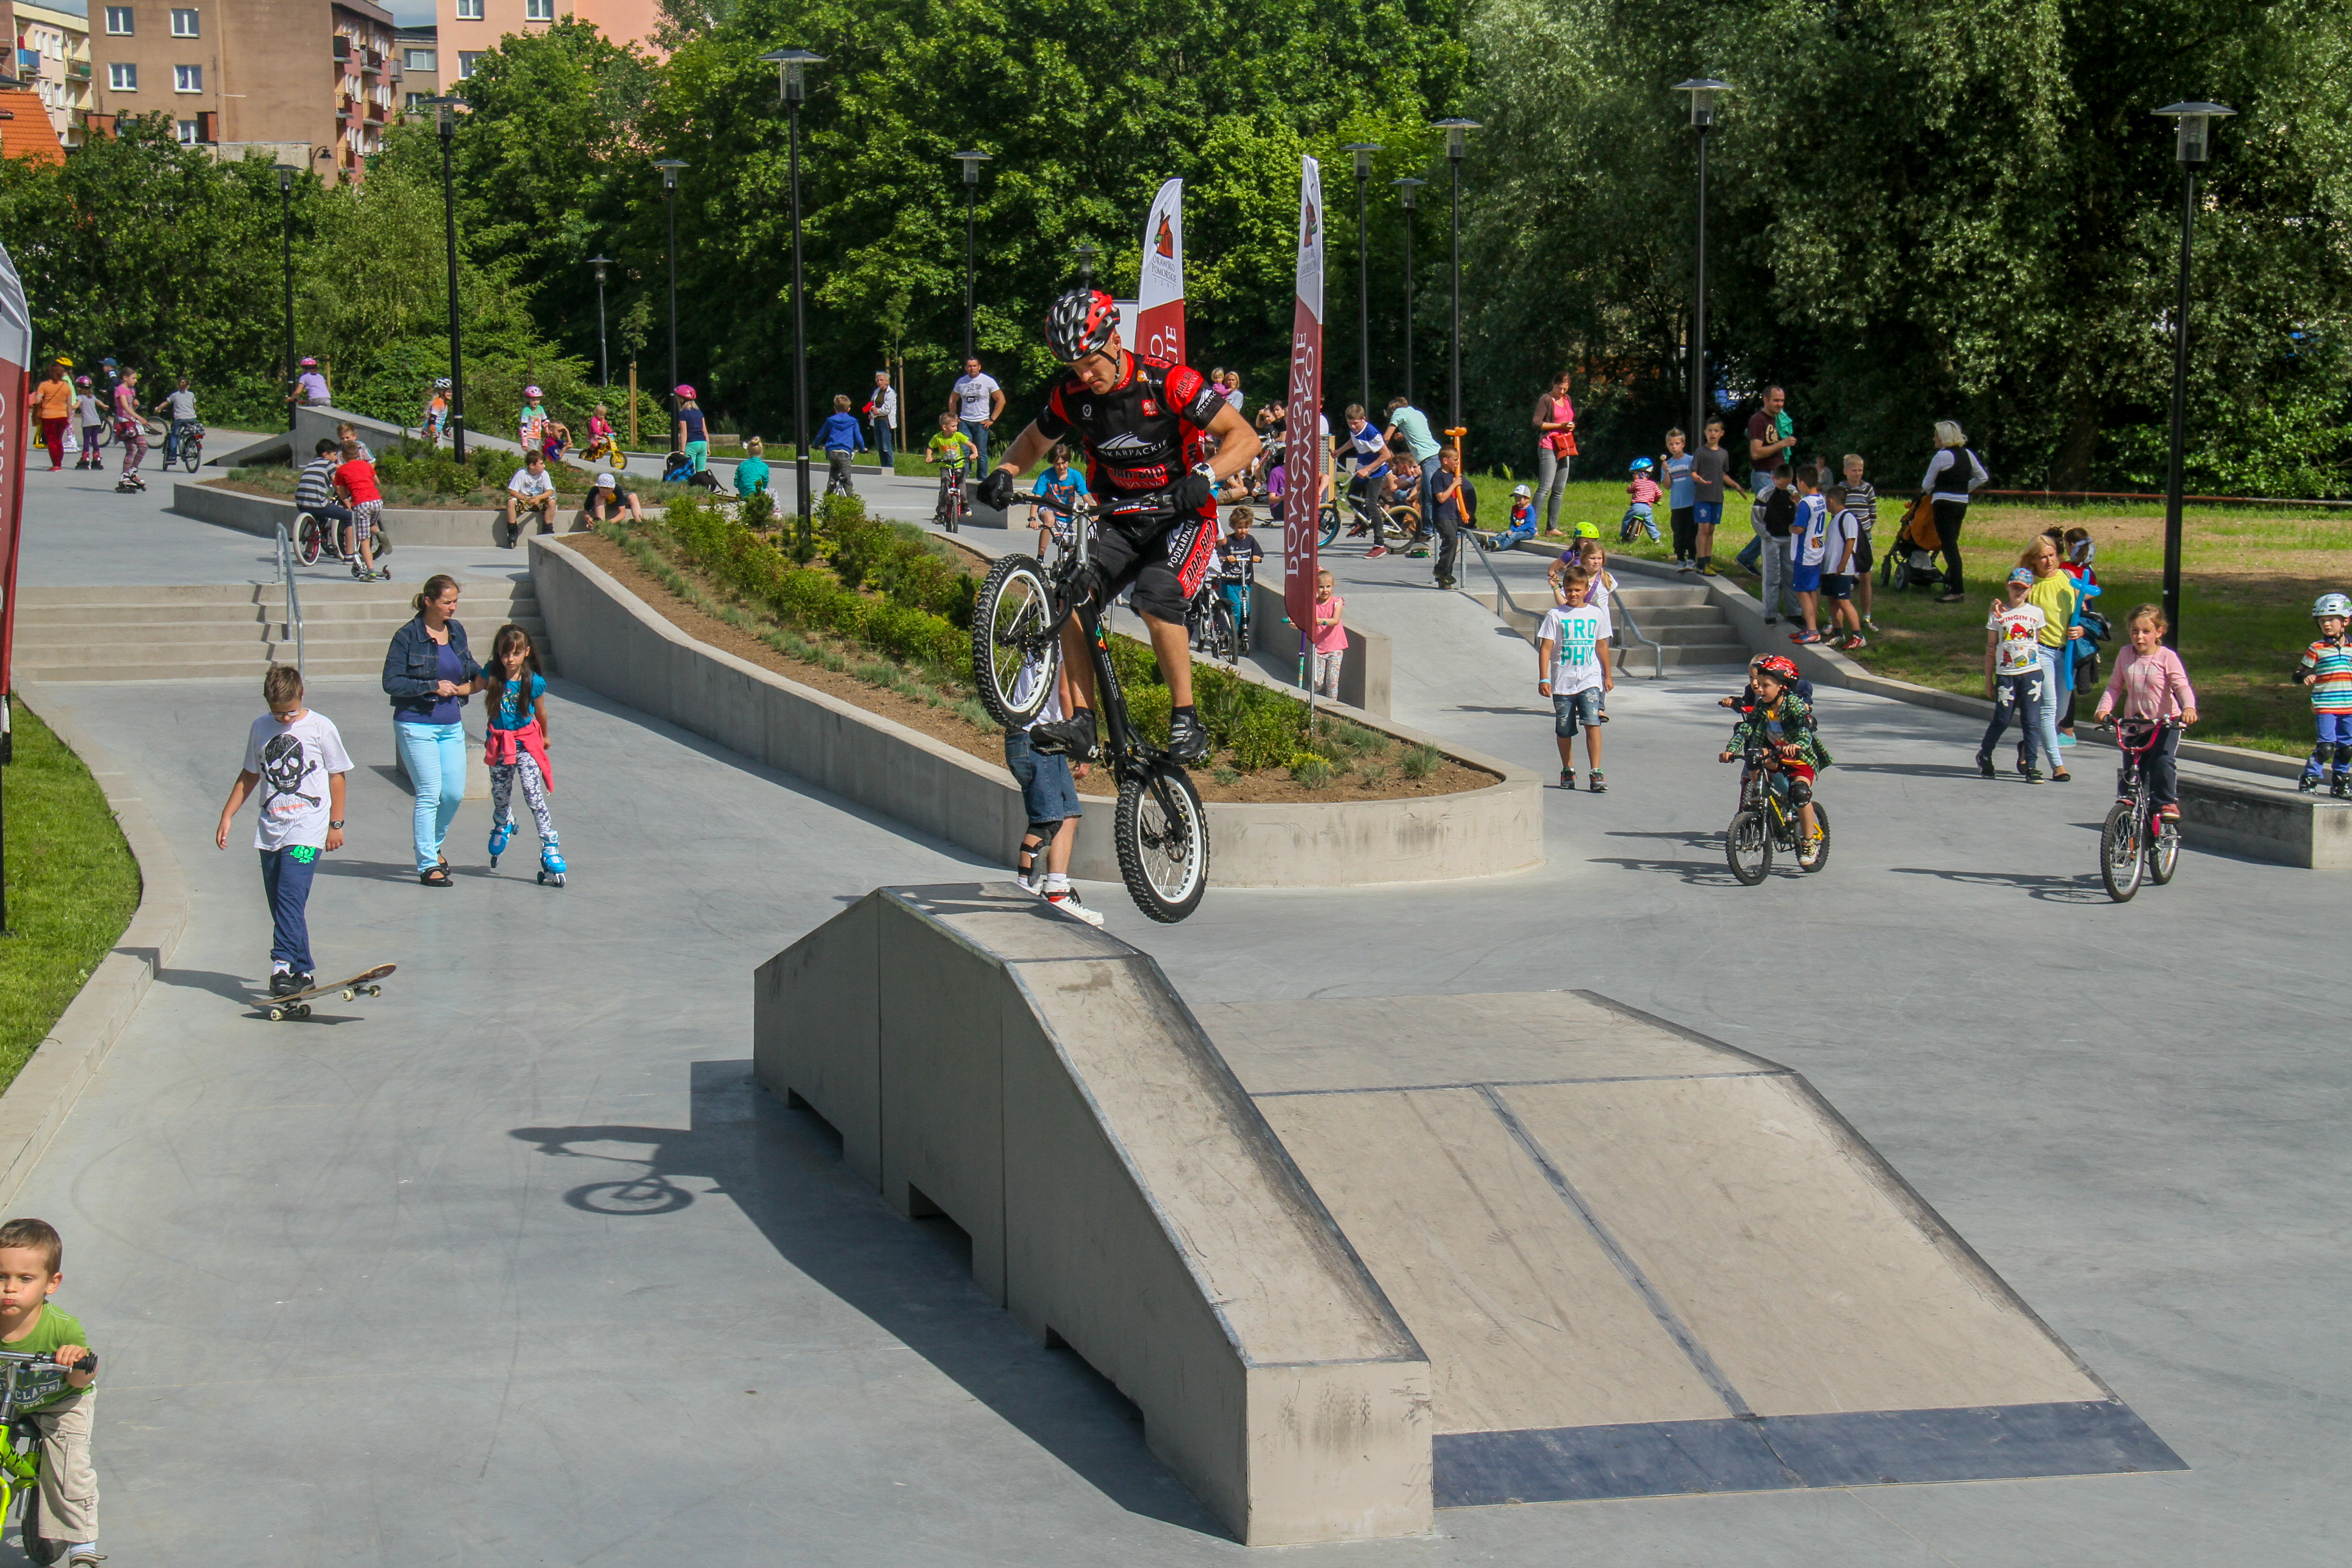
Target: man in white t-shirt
(2013,675)
(532,488)
(296,760)
(976,402)
(1572,670)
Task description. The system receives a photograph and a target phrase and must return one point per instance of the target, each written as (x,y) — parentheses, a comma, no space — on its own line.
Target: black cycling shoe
(1188,741)
(1073,737)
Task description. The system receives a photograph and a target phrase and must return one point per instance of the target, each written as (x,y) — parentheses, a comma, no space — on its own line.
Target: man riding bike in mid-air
(1143,427)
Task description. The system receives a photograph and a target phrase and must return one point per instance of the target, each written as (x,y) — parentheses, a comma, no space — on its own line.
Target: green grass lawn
(2248,577)
(72,887)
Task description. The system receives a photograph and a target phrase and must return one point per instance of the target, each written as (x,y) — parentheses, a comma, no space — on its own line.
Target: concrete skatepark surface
(488,1266)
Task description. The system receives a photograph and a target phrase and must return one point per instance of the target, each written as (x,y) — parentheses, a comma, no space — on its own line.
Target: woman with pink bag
(1555,423)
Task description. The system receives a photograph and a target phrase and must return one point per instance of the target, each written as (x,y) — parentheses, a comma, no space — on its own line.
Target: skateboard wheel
(277,1014)
(375,990)
(348,994)
(303,1011)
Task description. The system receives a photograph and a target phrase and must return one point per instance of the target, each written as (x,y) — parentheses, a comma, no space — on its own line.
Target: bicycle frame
(20,1466)
(1125,749)
(1757,794)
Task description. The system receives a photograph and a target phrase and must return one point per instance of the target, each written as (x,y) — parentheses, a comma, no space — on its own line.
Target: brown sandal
(436,878)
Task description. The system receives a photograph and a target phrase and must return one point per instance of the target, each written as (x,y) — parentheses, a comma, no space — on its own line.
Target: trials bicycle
(20,1452)
(1768,820)
(1160,828)
(2135,841)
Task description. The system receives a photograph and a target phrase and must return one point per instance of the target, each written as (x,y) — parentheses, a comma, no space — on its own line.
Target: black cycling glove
(997,488)
(1193,492)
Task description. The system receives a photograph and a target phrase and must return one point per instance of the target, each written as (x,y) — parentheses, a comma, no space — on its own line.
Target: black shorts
(1165,565)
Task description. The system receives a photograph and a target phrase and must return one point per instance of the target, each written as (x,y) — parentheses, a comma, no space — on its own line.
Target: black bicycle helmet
(1081,323)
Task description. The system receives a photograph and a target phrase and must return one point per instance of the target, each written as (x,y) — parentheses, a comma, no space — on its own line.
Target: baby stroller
(1912,562)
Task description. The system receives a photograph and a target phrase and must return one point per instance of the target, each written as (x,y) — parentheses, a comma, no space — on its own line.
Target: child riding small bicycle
(1781,726)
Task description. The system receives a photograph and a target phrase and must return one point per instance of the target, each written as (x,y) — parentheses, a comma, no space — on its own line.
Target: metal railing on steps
(293,595)
(1619,615)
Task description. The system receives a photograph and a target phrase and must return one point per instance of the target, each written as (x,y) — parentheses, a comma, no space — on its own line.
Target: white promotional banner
(1302,465)
(1160,302)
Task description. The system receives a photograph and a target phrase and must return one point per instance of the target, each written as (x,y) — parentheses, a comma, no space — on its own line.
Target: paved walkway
(515,1264)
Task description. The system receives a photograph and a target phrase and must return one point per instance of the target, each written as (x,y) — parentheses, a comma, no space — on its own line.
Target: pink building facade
(467,29)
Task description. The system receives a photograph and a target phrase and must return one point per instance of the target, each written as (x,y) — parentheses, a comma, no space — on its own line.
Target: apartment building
(420,66)
(470,28)
(53,62)
(308,81)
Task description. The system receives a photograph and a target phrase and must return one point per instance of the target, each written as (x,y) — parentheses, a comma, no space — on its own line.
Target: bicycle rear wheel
(1747,844)
(1329,526)
(2122,857)
(1162,832)
(1009,621)
(1821,852)
(306,539)
(2163,855)
(1224,637)
(192,455)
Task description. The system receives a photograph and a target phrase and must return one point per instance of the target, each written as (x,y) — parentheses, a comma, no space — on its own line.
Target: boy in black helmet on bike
(1144,429)
(1782,724)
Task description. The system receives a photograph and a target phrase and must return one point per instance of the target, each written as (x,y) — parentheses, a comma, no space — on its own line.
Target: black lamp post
(2195,121)
(669,168)
(1405,189)
(1086,254)
(445,113)
(971,162)
(791,85)
(604,364)
(1703,90)
(1457,131)
(1363,152)
(286,201)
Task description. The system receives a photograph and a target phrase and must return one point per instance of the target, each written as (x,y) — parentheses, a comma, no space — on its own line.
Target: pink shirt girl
(1562,442)
(2151,685)
(1329,635)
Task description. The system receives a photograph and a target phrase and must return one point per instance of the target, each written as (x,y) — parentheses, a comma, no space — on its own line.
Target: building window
(183,23)
(187,132)
(420,59)
(187,79)
(539,10)
(466,61)
(469,10)
(122,78)
(118,21)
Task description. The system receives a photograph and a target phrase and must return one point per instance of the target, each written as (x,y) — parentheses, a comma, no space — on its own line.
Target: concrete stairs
(238,630)
(1688,627)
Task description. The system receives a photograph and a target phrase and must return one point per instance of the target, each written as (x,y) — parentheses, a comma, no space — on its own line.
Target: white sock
(1056,882)
(280,966)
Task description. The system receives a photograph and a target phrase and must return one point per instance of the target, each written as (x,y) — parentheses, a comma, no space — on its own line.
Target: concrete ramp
(1642,1262)
(986,1056)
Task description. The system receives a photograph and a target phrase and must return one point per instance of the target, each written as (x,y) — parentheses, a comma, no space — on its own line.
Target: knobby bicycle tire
(1013,604)
(2121,858)
(1751,837)
(1162,832)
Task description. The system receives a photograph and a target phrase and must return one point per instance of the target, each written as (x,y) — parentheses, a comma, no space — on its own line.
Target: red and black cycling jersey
(1143,434)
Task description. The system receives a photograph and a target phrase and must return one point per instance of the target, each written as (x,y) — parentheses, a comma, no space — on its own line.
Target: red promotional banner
(1302,467)
(16,442)
(1160,301)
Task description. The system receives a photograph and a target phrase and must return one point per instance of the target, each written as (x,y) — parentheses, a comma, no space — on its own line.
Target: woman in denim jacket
(428,673)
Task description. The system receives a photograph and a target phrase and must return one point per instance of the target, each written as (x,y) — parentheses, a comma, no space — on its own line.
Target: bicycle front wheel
(2121,858)
(2164,855)
(1225,638)
(1817,855)
(306,540)
(40,1550)
(1747,844)
(1330,525)
(1163,842)
(1010,622)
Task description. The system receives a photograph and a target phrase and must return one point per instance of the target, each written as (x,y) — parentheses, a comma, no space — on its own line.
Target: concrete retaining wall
(1041,1084)
(615,644)
(414,526)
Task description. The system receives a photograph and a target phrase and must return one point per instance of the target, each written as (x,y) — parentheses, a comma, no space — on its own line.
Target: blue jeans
(1428,487)
(2334,748)
(979,434)
(435,756)
(882,451)
(2020,697)
(171,439)
(286,881)
(2053,697)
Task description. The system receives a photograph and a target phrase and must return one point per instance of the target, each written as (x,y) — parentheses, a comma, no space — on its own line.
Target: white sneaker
(1066,900)
(1025,884)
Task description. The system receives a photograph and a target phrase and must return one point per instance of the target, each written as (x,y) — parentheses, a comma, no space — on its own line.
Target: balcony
(77,69)
(372,62)
(342,109)
(376,113)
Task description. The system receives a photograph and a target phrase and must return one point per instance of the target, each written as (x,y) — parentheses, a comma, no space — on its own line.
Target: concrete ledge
(36,1104)
(616,645)
(416,527)
(1364,669)
(1041,1084)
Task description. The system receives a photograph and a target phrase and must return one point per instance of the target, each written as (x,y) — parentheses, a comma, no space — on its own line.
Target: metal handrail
(1618,612)
(293,598)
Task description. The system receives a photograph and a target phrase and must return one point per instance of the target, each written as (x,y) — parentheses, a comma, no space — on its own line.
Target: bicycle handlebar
(89,1363)
(1153,506)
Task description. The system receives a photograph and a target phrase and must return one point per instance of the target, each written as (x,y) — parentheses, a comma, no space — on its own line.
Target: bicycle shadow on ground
(911,1277)
(2083,888)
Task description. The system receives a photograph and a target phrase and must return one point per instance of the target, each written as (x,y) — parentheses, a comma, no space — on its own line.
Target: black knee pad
(1042,832)
(1800,791)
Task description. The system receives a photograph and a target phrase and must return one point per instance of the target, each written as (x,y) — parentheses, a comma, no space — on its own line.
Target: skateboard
(296,1005)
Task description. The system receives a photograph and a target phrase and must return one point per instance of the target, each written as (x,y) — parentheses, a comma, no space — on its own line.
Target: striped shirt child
(2329,659)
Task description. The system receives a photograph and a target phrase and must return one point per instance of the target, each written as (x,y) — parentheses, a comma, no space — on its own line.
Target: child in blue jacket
(837,439)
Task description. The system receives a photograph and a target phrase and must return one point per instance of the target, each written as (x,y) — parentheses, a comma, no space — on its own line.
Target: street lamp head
(669,168)
(1456,130)
(286,173)
(444,110)
(789,63)
(600,263)
(2196,121)
(1405,189)
(1363,152)
(1703,90)
(1086,254)
(971,162)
